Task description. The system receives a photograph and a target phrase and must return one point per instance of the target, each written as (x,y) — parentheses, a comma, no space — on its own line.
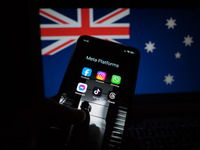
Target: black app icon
(97,91)
(111,95)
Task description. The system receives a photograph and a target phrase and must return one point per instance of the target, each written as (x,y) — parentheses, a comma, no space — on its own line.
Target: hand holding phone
(103,75)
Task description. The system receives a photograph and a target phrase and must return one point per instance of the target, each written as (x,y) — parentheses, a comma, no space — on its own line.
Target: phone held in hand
(100,79)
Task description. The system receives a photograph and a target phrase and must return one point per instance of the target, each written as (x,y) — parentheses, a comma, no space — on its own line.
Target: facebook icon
(86,72)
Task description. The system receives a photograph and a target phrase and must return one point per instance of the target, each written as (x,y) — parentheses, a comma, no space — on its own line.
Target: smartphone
(100,79)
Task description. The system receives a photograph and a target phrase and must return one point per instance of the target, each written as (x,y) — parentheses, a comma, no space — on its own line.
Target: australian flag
(168,40)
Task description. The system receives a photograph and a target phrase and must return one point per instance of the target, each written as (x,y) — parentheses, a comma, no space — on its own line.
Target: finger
(69,114)
(61,113)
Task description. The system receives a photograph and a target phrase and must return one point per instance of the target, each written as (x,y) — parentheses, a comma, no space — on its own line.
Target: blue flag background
(169,43)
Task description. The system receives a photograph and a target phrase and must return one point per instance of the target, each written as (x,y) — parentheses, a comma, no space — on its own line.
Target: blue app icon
(86,72)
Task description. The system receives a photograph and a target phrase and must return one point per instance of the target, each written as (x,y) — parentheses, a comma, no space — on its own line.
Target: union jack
(66,30)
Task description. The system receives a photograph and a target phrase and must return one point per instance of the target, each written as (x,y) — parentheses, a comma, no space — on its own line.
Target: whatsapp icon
(116,79)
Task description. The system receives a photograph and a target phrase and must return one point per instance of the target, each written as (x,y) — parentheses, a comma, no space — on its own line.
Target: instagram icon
(101,75)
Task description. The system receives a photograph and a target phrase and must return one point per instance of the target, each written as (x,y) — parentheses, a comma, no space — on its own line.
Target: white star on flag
(169,79)
(171,23)
(188,40)
(177,55)
(150,47)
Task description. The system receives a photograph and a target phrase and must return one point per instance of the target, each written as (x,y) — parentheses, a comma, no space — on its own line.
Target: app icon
(81,87)
(111,95)
(97,91)
(86,72)
(101,75)
(116,79)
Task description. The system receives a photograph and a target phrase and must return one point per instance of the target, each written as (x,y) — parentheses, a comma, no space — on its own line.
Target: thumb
(63,113)
(50,112)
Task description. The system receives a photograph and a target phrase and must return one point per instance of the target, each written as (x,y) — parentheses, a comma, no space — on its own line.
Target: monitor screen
(168,40)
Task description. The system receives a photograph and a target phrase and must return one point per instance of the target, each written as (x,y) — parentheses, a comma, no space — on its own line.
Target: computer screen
(168,40)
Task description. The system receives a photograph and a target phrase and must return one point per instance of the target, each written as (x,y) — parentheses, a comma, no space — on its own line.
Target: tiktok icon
(97,91)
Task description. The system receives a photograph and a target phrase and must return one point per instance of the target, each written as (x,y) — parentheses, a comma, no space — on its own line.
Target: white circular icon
(112,95)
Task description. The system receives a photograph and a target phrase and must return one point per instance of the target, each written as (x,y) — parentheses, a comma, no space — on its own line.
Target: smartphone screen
(102,75)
